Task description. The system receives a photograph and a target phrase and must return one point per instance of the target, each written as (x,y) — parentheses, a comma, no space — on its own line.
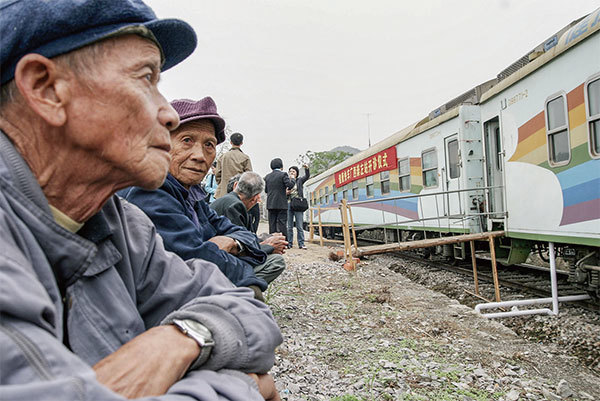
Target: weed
(347,397)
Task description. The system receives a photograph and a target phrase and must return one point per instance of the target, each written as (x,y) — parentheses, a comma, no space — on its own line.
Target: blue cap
(55,27)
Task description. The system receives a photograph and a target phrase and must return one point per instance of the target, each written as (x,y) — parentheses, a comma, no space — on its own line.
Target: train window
(557,129)
(498,147)
(384,177)
(593,116)
(453,169)
(404,174)
(429,166)
(355,189)
(370,191)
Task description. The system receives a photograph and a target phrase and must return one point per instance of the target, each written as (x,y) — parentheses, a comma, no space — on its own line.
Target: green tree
(322,161)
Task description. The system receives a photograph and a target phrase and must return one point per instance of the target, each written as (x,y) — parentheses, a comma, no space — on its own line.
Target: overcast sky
(298,75)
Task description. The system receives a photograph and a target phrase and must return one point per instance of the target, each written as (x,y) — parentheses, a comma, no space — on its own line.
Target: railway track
(531,279)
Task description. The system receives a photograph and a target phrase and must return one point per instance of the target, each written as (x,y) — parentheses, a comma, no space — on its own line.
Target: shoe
(303,247)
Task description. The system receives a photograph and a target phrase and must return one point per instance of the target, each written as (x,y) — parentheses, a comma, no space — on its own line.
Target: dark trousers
(254,214)
(277,221)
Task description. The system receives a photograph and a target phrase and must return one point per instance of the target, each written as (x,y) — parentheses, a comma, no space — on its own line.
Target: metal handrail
(423,195)
(459,217)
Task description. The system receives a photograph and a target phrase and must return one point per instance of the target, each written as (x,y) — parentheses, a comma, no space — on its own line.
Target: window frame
(549,132)
(423,170)
(370,186)
(355,188)
(400,175)
(589,118)
(386,180)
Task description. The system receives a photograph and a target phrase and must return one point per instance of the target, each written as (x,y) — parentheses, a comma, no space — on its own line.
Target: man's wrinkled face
(119,116)
(194,147)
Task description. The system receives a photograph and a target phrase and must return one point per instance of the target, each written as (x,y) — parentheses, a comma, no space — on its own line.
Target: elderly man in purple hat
(91,304)
(188,226)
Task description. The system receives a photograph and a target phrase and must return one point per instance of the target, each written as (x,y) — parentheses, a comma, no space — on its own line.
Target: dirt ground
(374,334)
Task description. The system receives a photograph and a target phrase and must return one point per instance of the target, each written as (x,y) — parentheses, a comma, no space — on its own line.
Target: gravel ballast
(375,334)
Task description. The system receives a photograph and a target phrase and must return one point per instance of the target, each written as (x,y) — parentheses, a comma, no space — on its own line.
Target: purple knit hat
(191,110)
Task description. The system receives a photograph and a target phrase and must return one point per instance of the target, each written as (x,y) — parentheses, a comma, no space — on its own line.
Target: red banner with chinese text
(382,161)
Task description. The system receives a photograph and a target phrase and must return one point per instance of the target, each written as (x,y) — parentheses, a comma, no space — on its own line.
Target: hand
(149,364)
(226,244)
(266,386)
(277,241)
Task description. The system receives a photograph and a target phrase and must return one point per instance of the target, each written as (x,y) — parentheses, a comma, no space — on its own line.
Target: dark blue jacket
(186,223)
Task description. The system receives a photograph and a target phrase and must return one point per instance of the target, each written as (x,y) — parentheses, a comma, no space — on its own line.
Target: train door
(451,176)
(493,166)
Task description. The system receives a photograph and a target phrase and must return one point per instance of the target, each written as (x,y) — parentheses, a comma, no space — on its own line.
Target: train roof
(557,44)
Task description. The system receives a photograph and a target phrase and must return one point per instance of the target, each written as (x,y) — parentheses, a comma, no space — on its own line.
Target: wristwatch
(199,333)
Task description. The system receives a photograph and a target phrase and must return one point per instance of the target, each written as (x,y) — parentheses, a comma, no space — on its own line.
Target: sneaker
(302,247)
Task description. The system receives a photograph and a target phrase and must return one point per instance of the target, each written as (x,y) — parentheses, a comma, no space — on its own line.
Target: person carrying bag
(297,205)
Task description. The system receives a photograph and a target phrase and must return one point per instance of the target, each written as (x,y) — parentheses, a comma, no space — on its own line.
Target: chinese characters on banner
(382,161)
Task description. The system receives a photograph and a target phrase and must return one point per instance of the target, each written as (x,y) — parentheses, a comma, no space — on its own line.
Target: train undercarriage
(581,262)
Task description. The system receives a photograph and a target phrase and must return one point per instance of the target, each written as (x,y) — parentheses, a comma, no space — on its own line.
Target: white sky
(298,75)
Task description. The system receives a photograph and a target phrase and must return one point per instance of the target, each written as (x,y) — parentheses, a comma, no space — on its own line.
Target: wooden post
(474,263)
(346,233)
(312,227)
(352,225)
(320,226)
(494,269)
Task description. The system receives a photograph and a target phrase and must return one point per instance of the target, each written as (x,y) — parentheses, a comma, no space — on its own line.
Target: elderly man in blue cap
(91,305)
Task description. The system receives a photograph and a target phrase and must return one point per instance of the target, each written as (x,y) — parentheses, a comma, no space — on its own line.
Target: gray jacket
(111,281)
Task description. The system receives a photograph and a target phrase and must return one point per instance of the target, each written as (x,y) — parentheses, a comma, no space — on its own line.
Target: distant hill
(347,149)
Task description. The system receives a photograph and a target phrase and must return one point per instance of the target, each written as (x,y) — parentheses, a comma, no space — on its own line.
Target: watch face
(197,331)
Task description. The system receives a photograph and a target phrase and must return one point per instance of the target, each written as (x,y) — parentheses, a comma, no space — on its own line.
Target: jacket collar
(194,194)
(69,254)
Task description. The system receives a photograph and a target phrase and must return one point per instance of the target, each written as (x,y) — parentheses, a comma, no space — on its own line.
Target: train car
(520,153)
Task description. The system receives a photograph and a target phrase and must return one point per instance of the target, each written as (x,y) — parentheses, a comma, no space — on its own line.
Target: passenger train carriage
(520,153)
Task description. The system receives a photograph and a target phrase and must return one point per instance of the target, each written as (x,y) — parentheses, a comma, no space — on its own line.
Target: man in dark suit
(276,183)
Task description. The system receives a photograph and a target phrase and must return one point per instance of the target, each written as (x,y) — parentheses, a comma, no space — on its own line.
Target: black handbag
(299,204)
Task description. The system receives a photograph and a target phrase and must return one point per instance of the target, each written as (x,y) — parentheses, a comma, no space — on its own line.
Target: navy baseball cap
(55,27)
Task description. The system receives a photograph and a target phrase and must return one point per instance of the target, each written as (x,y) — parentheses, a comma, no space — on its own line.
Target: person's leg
(282,221)
(272,268)
(299,216)
(273,213)
(289,234)
(254,213)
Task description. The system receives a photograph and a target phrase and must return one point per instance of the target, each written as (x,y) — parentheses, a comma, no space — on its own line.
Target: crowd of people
(130,263)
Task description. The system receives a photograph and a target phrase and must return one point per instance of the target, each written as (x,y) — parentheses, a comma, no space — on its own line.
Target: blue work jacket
(186,223)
